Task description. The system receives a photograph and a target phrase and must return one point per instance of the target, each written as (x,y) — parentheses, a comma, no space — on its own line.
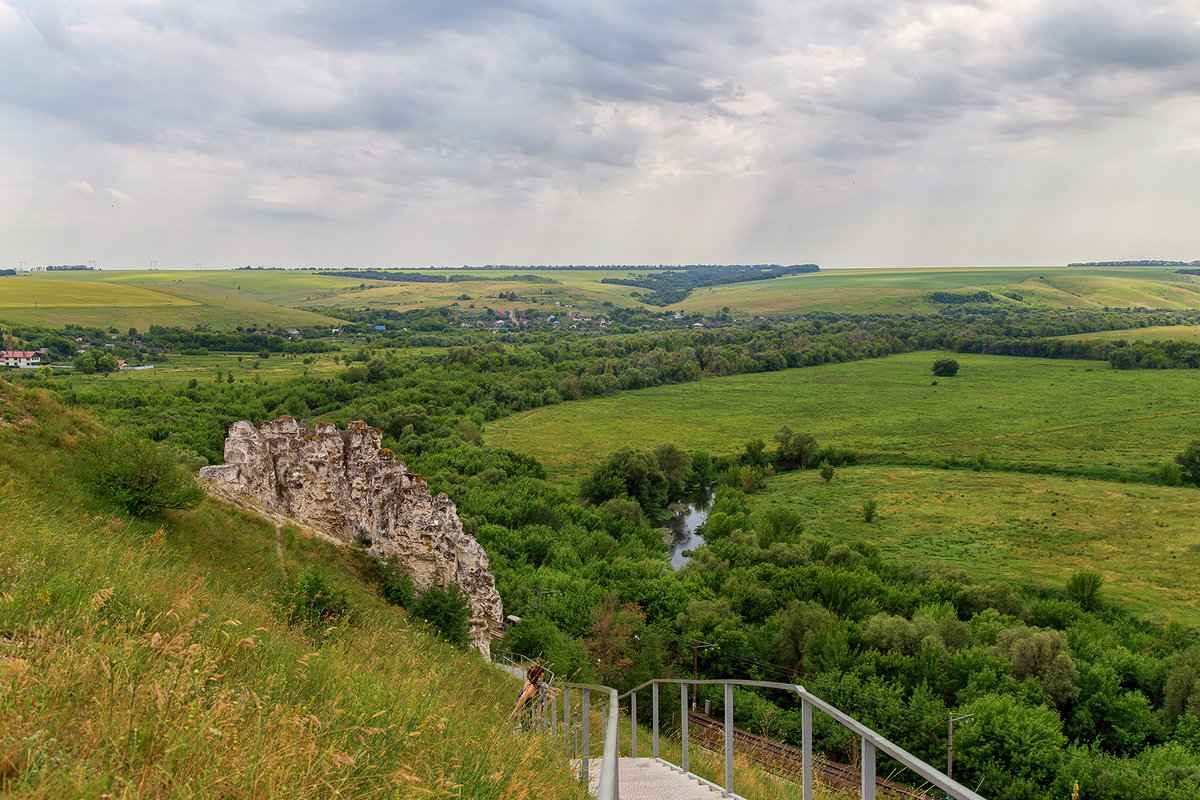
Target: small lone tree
(827,471)
(945,367)
(869,507)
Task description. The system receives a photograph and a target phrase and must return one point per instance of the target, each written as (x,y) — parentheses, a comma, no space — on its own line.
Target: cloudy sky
(444,132)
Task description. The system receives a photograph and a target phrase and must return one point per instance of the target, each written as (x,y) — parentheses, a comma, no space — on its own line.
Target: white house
(21,358)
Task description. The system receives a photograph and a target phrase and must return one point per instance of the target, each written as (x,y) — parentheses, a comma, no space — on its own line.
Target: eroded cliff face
(343,485)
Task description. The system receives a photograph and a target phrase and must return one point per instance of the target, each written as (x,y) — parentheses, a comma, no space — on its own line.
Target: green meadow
(891,291)
(1184,333)
(141,299)
(1034,529)
(1031,415)
(229,298)
(243,367)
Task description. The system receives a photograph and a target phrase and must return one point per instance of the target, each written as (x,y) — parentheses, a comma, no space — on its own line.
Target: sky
(846,133)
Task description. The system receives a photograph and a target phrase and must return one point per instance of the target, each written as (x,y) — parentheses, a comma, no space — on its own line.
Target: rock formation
(341,484)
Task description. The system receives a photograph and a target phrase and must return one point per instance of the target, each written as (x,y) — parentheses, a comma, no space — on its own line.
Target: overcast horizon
(372,133)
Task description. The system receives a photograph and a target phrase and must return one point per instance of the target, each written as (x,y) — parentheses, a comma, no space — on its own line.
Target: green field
(244,367)
(1026,414)
(1035,529)
(1184,333)
(228,298)
(139,299)
(902,290)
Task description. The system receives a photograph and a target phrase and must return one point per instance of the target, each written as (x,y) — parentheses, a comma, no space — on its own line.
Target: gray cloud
(531,115)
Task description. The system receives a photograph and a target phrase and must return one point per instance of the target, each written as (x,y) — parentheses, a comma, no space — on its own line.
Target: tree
(826,471)
(1010,750)
(945,367)
(1189,462)
(614,625)
(796,449)
(140,476)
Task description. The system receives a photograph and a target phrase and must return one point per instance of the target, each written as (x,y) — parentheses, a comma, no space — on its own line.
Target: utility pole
(953,718)
(697,646)
(541,590)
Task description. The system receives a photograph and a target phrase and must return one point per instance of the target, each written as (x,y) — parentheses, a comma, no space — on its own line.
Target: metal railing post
(554,718)
(654,704)
(683,723)
(585,708)
(806,747)
(868,769)
(567,721)
(633,729)
(729,738)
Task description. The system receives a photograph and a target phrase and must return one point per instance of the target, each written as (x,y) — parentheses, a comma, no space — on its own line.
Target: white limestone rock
(343,485)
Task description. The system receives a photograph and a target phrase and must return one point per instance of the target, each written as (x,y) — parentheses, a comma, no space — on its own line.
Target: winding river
(681,530)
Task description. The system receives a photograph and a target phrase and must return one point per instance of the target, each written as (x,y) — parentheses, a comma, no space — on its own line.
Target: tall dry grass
(149,660)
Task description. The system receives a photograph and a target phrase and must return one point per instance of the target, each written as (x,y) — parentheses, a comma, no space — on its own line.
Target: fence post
(806,745)
(567,721)
(633,728)
(654,704)
(683,723)
(585,708)
(729,738)
(868,769)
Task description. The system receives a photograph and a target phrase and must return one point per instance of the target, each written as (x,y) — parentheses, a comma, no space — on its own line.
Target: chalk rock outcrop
(342,485)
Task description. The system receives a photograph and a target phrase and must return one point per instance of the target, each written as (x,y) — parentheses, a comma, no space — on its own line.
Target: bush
(140,476)
(447,611)
(311,599)
(394,582)
(826,471)
(1084,587)
(945,367)
(1170,475)
(1189,462)
(869,507)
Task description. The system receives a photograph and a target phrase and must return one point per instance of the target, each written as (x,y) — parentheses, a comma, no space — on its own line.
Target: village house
(21,358)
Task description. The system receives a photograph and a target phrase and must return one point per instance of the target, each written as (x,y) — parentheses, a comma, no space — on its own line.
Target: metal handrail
(871,741)
(510,658)
(607,787)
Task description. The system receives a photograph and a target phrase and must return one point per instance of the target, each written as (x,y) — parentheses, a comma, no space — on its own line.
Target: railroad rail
(788,762)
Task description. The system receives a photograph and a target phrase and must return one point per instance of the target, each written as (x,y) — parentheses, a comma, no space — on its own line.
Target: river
(681,530)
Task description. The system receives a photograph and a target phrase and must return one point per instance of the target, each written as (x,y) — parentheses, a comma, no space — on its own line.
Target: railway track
(787,761)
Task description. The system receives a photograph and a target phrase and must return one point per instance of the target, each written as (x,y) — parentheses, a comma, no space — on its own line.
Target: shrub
(1189,462)
(311,599)
(869,507)
(447,611)
(826,471)
(1084,587)
(140,476)
(945,367)
(394,582)
(1170,474)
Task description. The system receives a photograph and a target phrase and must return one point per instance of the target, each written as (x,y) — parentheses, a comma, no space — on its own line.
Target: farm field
(228,298)
(1077,417)
(1184,333)
(1034,529)
(243,366)
(136,300)
(902,290)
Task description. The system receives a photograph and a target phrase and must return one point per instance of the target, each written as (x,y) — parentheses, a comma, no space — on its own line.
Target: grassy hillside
(1034,529)
(149,659)
(1077,417)
(228,298)
(1184,333)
